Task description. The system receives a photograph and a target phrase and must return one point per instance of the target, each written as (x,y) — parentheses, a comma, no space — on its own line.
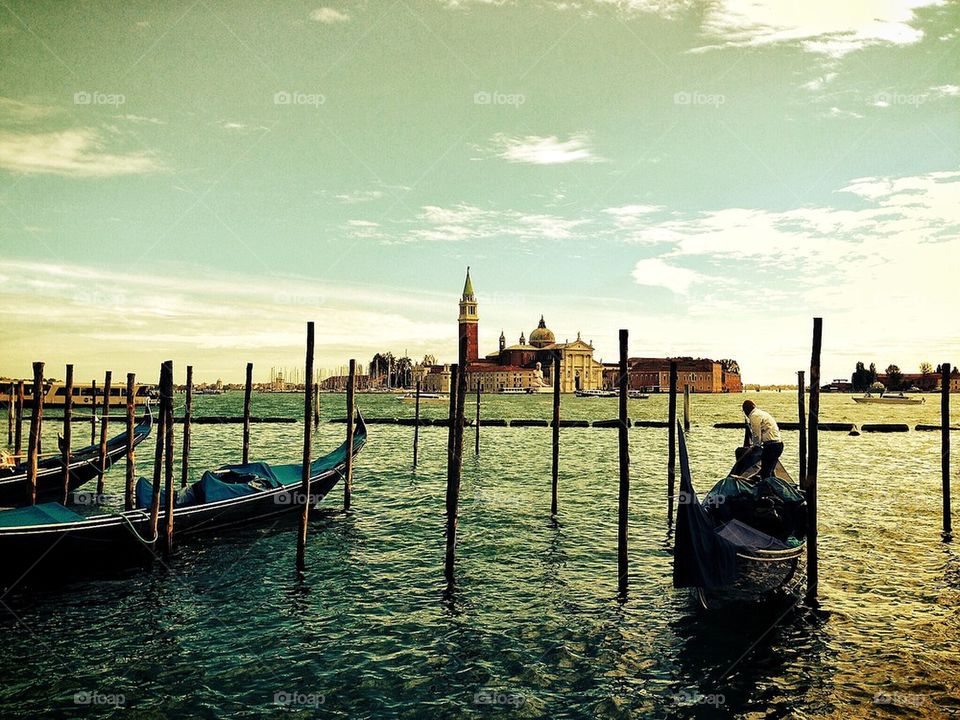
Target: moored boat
(84,394)
(424,398)
(596,393)
(886,398)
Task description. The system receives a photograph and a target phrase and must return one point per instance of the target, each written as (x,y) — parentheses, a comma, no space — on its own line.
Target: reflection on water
(534,627)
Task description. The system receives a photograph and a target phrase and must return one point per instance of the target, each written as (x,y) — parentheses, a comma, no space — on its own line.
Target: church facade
(528,365)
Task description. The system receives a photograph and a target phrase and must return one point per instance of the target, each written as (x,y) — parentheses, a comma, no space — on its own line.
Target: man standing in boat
(765,433)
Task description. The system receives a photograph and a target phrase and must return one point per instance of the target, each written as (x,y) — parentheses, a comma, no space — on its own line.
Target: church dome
(542,336)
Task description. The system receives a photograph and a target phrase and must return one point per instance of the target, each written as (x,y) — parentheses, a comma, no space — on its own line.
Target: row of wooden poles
(808,454)
(163,465)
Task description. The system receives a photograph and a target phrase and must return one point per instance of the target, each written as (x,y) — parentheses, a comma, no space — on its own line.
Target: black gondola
(746,538)
(51,540)
(84,467)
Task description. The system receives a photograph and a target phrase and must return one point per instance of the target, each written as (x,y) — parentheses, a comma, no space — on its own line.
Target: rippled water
(534,625)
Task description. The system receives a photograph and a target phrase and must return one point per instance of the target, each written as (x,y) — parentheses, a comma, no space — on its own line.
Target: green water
(229,628)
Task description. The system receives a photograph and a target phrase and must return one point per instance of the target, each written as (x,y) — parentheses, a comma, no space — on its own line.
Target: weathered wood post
(33,442)
(11,403)
(316,404)
(555,456)
(67,431)
(308,396)
(131,469)
(187,419)
(686,407)
(672,442)
(18,439)
(624,452)
(476,445)
(158,454)
(351,410)
(168,462)
(416,425)
(813,454)
(455,460)
(246,414)
(107,381)
(93,413)
(945,448)
(802,414)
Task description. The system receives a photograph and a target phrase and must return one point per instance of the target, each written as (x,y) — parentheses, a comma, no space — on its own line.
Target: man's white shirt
(763,427)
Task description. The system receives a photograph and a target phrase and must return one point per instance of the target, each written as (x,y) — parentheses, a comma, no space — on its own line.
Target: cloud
(77,153)
(141,119)
(654,272)
(359,196)
(328,16)
(16,112)
(537,150)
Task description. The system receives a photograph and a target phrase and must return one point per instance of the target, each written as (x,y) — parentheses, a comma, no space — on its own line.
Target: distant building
(338,383)
(703,375)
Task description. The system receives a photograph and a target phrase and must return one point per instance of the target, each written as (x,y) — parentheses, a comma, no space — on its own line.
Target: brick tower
(468,320)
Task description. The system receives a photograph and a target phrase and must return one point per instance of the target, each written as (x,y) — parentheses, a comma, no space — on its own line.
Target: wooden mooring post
(33,442)
(802,417)
(416,425)
(308,396)
(246,414)
(167,390)
(351,410)
(316,404)
(624,453)
(158,454)
(813,455)
(107,383)
(555,450)
(476,444)
(18,434)
(945,448)
(11,403)
(67,432)
(458,393)
(672,442)
(187,419)
(686,407)
(131,469)
(93,412)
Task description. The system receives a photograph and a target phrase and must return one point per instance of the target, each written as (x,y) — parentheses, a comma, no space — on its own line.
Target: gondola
(51,541)
(745,539)
(84,467)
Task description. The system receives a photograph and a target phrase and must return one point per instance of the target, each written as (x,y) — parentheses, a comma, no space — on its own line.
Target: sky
(196,180)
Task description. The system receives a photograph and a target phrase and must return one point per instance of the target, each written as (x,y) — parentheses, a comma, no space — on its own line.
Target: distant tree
(872,377)
(926,368)
(429,359)
(955,372)
(939,369)
(860,378)
(894,378)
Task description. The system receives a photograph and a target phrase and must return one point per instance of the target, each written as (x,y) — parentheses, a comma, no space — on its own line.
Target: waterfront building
(703,375)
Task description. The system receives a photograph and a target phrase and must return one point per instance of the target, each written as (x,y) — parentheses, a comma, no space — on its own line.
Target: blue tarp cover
(43,514)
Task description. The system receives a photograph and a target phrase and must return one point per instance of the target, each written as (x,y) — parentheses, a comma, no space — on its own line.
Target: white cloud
(79,153)
(329,16)
(946,90)
(655,272)
(14,111)
(359,196)
(141,119)
(537,150)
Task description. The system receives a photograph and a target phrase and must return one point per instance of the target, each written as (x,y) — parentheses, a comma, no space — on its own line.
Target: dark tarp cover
(229,482)
(42,514)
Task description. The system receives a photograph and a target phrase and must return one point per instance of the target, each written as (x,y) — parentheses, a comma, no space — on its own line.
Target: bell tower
(469,320)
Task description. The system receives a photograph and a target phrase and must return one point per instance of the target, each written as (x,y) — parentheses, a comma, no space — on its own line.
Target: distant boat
(512,391)
(424,398)
(637,395)
(596,393)
(84,394)
(887,399)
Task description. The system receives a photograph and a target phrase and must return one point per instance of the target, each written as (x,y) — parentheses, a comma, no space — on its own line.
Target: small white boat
(424,398)
(637,395)
(512,391)
(596,393)
(888,399)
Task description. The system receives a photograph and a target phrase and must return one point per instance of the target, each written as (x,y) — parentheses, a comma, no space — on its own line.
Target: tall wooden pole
(348,475)
(802,415)
(624,453)
(555,456)
(107,381)
(455,459)
(131,469)
(813,455)
(158,453)
(308,396)
(451,418)
(168,462)
(67,431)
(18,438)
(416,425)
(246,414)
(33,443)
(93,413)
(945,448)
(187,419)
(476,445)
(672,442)
(316,404)
(686,407)
(11,403)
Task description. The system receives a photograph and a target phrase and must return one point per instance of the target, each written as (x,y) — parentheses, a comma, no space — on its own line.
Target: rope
(137,535)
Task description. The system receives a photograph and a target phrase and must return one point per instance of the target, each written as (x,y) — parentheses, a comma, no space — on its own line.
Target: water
(228,628)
